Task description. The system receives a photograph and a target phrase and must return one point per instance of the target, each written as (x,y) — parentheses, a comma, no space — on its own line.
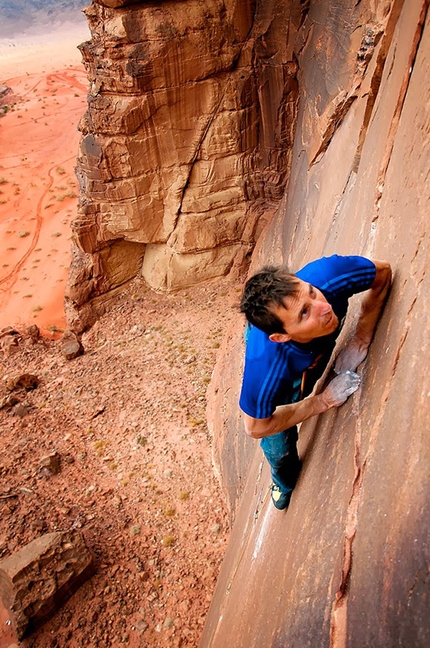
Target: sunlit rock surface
(347,564)
(187,142)
(204,120)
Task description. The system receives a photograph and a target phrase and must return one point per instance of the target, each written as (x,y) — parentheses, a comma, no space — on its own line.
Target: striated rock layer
(186,145)
(347,564)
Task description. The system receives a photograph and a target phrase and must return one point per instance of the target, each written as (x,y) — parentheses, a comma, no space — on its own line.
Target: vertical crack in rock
(373,35)
(411,589)
(338,621)
(263,525)
(349,184)
(398,110)
(339,611)
(305,6)
(405,334)
(334,124)
(211,118)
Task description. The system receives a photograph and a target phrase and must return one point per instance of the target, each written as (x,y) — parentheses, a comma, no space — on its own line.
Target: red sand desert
(38,189)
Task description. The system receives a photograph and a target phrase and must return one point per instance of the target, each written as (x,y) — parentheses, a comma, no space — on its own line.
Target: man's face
(305,316)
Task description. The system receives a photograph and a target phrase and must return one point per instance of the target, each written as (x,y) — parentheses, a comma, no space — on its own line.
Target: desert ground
(38,189)
(126,418)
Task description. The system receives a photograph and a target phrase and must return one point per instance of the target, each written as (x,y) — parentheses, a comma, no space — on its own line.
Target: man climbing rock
(294,320)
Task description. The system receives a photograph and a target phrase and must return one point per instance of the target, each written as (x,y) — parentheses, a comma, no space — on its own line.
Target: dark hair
(268,287)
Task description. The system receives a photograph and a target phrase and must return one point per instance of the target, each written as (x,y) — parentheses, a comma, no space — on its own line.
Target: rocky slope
(114,444)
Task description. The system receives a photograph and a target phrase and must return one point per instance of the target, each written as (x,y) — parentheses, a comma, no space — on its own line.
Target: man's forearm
(285,416)
(373,304)
(356,350)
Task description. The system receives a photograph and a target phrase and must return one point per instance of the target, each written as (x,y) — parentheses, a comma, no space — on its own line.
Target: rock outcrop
(204,119)
(347,564)
(186,144)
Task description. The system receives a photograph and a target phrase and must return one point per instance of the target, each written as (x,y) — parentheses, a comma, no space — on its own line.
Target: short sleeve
(340,275)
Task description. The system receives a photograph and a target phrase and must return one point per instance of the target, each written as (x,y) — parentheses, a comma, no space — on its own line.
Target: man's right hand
(340,388)
(285,416)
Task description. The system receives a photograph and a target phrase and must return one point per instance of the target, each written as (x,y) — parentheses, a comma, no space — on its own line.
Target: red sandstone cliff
(347,564)
(186,144)
(204,116)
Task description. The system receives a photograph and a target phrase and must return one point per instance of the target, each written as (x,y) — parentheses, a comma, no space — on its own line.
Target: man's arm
(356,350)
(286,416)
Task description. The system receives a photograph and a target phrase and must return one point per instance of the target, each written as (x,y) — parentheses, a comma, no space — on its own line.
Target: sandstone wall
(204,119)
(347,564)
(186,144)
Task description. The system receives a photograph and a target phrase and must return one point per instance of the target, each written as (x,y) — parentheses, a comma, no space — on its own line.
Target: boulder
(10,344)
(71,346)
(25,381)
(32,332)
(50,464)
(38,578)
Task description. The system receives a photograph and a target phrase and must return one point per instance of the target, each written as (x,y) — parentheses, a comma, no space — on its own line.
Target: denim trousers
(280,451)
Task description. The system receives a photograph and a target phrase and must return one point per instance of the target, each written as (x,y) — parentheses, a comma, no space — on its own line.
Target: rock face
(205,118)
(39,577)
(186,144)
(347,564)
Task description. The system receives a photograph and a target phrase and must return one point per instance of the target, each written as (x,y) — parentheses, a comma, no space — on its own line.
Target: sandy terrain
(38,189)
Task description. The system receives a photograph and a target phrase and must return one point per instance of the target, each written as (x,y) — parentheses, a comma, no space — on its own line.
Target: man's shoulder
(280,357)
(338,272)
(258,343)
(269,372)
(332,265)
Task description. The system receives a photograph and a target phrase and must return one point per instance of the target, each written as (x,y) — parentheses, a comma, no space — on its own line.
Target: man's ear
(279,337)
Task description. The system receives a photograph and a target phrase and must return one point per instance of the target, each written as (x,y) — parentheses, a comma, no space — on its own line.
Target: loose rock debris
(127,421)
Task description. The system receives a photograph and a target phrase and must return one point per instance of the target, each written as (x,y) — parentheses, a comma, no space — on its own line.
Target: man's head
(267,288)
(285,307)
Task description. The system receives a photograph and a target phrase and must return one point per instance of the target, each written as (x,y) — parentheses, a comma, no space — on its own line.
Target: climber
(293,323)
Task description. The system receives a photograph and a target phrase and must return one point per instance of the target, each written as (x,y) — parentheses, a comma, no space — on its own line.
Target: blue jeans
(280,451)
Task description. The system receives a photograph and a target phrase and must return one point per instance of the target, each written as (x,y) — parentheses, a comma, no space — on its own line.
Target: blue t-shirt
(272,369)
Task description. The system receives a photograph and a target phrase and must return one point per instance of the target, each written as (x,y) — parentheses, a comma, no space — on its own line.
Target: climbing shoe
(280,500)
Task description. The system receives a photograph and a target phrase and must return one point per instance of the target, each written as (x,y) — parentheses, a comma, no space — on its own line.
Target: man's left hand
(351,357)
(356,351)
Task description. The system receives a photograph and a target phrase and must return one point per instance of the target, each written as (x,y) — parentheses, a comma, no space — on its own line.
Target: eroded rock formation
(186,149)
(38,578)
(186,144)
